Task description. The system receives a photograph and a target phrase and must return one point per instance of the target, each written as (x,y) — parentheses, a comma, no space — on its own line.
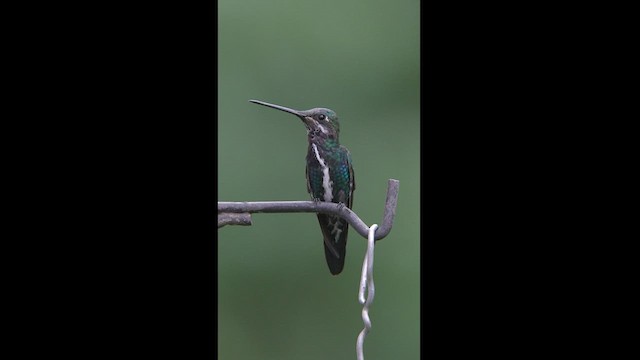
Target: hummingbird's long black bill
(282,108)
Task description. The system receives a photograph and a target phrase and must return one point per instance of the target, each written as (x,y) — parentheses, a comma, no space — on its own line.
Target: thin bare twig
(320,207)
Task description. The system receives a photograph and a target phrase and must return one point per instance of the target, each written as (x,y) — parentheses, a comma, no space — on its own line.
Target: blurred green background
(277,299)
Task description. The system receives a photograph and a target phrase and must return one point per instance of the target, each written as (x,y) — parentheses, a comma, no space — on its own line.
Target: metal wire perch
(239,213)
(366,282)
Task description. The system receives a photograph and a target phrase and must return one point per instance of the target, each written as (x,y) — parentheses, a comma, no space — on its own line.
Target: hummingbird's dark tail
(334,230)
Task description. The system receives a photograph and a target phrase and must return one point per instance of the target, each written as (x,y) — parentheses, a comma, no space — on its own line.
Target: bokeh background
(361,58)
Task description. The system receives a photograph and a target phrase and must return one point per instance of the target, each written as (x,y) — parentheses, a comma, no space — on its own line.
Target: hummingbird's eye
(321,117)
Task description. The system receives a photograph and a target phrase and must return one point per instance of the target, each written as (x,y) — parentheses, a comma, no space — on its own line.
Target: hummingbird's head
(320,122)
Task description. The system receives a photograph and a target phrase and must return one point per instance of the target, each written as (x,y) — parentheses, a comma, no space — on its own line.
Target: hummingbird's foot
(315,199)
(341,206)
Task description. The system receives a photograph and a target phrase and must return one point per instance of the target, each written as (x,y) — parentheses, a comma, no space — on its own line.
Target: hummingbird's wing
(352,179)
(334,228)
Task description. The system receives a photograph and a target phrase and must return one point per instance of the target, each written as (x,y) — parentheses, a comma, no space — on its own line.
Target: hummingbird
(329,176)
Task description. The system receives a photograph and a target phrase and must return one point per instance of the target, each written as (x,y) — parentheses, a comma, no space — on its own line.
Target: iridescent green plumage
(329,176)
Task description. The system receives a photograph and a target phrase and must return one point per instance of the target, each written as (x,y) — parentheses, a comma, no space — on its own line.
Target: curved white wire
(366,282)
